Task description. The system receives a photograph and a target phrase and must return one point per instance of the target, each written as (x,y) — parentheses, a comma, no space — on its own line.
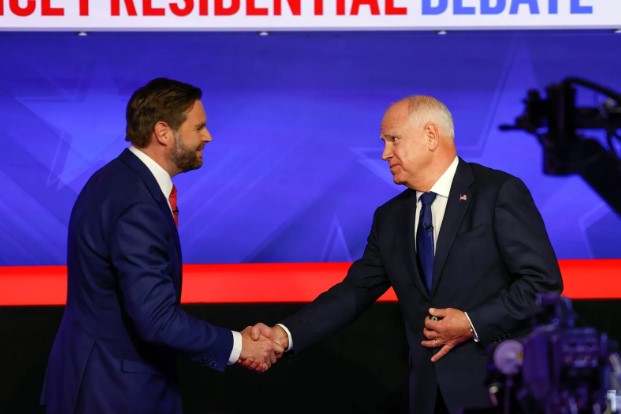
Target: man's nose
(387,152)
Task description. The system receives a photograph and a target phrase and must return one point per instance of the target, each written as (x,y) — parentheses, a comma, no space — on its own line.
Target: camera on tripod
(558,368)
(559,124)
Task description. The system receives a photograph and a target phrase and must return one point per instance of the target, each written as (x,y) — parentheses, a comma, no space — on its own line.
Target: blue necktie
(424,239)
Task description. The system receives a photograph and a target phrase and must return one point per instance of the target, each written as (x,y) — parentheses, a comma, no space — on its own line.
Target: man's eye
(395,140)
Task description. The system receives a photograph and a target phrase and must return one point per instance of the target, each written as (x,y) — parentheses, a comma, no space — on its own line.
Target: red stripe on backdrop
(276,282)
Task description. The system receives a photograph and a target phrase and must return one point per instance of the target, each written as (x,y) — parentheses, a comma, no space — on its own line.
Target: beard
(185,158)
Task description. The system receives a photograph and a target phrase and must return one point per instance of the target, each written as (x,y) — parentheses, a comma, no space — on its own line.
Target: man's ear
(162,133)
(432,134)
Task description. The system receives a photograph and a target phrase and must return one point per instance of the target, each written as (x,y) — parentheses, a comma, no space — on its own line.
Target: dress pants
(440,406)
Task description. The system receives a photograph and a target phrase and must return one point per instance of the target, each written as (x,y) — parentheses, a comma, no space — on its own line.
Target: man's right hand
(260,333)
(259,351)
(276,333)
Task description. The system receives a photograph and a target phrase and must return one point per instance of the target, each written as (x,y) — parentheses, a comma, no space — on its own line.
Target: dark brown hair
(159,100)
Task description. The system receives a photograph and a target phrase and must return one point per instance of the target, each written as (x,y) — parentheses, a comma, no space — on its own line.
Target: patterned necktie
(172,199)
(424,239)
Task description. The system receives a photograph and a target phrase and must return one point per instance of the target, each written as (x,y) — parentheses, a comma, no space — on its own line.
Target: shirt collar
(442,187)
(160,174)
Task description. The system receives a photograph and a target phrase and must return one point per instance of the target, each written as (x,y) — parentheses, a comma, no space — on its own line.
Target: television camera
(555,122)
(559,368)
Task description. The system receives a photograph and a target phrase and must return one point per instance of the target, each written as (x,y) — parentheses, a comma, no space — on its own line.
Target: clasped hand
(262,346)
(445,329)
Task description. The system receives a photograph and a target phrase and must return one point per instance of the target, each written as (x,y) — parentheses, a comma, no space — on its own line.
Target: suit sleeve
(337,307)
(148,272)
(529,259)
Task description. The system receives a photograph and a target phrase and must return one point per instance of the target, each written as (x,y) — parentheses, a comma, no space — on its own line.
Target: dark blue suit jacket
(493,256)
(123,327)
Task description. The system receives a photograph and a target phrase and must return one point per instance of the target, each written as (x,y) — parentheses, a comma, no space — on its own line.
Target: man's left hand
(445,329)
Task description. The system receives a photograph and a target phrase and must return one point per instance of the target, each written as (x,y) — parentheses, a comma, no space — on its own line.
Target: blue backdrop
(294,171)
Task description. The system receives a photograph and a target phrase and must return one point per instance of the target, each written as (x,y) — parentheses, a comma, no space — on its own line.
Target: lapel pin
(463,197)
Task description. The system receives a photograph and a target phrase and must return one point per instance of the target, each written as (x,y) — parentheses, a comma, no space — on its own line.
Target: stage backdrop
(294,170)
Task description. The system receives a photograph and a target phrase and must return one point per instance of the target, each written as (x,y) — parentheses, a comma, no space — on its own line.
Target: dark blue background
(294,171)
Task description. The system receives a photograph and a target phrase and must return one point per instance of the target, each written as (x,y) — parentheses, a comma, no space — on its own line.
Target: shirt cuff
(288,336)
(474,331)
(237,348)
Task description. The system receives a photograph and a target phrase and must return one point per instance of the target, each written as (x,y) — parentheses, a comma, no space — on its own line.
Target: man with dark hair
(123,326)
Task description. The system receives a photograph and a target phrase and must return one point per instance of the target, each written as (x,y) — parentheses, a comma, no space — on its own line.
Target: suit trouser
(440,405)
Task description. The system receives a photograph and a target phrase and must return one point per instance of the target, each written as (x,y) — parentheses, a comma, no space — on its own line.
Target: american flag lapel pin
(463,197)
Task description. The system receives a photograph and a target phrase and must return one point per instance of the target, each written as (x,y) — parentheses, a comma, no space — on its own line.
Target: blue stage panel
(294,171)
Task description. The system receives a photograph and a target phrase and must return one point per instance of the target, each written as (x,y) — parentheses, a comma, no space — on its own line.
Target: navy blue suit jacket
(123,326)
(493,256)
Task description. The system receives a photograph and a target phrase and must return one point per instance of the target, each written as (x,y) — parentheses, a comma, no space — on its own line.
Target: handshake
(262,346)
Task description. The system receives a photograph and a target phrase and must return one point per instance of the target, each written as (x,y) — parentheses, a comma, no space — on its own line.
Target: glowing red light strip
(275,282)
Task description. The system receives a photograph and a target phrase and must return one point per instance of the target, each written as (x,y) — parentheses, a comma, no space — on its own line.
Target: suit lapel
(459,200)
(154,189)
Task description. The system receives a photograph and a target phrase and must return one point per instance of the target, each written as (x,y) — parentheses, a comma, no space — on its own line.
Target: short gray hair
(429,109)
